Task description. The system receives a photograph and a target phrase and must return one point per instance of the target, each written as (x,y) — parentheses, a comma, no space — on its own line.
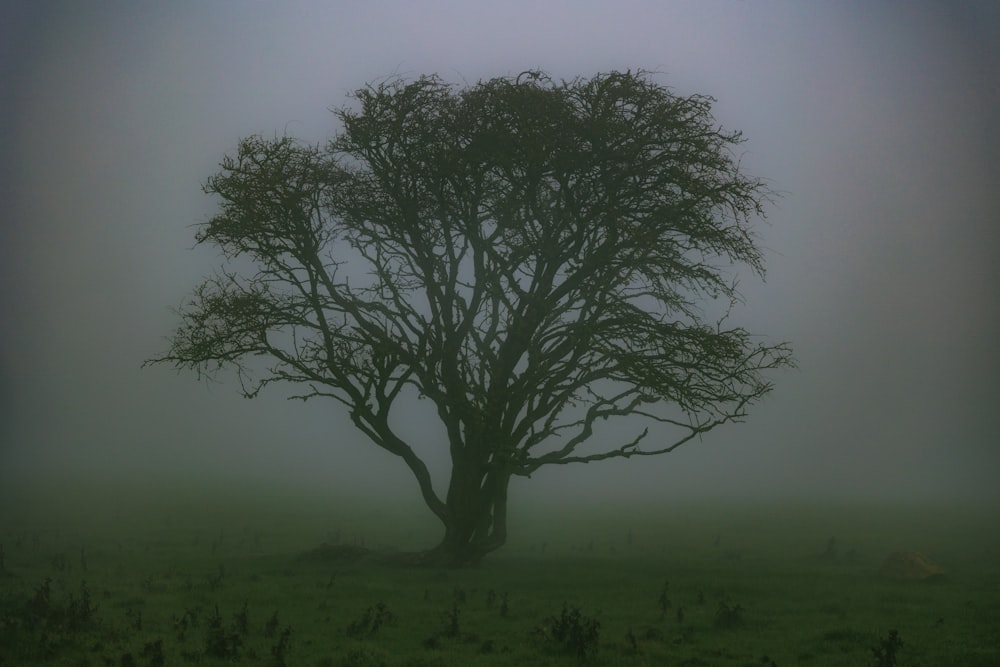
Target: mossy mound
(910,565)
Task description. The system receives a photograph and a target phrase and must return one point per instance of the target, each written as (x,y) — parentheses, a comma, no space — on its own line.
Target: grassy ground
(104,576)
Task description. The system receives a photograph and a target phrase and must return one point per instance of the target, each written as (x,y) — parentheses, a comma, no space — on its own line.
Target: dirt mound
(910,565)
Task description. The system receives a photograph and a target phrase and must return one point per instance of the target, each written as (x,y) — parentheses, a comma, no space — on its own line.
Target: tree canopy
(531,256)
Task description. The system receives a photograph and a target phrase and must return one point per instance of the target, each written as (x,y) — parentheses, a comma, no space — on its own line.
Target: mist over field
(875,121)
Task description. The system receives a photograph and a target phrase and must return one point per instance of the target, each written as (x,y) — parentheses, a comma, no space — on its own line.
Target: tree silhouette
(532,257)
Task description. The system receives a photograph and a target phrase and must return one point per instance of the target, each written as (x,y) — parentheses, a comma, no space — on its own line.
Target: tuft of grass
(370,622)
(577,633)
(886,650)
(728,615)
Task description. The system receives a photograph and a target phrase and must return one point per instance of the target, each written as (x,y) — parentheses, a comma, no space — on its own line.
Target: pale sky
(876,120)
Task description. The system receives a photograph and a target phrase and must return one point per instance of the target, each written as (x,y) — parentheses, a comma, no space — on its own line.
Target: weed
(577,633)
(664,599)
(453,628)
(42,612)
(271,627)
(631,641)
(215,579)
(187,620)
(40,606)
(728,615)
(221,642)
(830,553)
(59,562)
(491,600)
(242,620)
(369,623)
(886,649)
(80,612)
(153,651)
(280,650)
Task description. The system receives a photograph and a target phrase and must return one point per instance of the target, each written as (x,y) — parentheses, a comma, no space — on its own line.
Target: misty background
(876,121)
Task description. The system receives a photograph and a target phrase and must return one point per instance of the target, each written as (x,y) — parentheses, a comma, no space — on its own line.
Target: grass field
(106,576)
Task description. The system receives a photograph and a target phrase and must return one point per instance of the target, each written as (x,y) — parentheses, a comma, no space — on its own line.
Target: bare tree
(536,255)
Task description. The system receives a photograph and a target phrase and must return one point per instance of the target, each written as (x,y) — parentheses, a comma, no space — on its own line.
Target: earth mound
(910,565)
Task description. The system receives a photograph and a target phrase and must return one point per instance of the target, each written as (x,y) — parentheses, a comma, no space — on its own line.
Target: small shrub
(153,652)
(728,615)
(188,619)
(831,551)
(631,641)
(80,611)
(369,623)
(664,599)
(220,642)
(577,633)
(41,611)
(215,579)
(886,649)
(271,627)
(453,629)
(39,607)
(280,650)
(242,620)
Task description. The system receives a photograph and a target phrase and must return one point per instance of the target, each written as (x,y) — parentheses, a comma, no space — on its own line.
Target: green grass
(220,578)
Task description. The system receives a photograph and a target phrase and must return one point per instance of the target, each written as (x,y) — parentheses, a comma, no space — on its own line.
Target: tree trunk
(476,520)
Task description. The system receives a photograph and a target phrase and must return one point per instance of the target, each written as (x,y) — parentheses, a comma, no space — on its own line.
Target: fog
(876,122)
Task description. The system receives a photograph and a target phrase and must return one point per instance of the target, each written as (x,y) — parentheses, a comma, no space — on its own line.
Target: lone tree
(528,255)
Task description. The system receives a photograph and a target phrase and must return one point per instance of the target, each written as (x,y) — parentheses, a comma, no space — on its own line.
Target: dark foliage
(369,623)
(728,615)
(221,641)
(886,650)
(579,634)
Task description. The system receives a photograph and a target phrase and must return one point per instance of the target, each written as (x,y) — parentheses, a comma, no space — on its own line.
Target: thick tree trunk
(476,521)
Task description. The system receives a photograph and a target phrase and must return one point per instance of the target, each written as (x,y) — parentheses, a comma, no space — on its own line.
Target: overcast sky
(877,120)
